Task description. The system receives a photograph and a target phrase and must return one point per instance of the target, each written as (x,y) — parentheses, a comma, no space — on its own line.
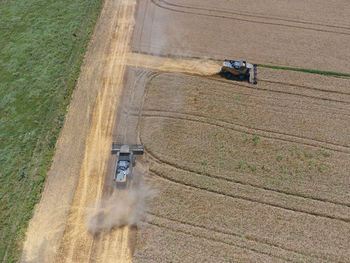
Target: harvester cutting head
(239,70)
(125,162)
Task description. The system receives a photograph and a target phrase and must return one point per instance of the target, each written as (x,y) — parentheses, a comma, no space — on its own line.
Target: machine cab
(125,162)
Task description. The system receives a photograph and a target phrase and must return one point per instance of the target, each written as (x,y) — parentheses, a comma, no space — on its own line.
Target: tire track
(115,244)
(250,199)
(327,108)
(306,87)
(78,244)
(300,110)
(193,57)
(158,160)
(162,4)
(268,134)
(253,239)
(130,109)
(184,57)
(211,239)
(232,244)
(216,78)
(242,238)
(284,192)
(274,107)
(127,108)
(254,16)
(220,79)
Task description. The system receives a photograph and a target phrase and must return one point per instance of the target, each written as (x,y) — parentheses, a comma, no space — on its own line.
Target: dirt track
(110,101)
(103,73)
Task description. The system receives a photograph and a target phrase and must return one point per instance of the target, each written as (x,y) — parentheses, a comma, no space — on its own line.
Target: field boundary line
(216,78)
(285,68)
(305,70)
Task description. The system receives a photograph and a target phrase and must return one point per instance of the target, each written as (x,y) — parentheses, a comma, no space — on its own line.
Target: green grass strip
(42,46)
(312,71)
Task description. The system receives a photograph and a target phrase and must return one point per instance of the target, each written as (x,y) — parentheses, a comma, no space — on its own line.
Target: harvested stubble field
(302,34)
(247,174)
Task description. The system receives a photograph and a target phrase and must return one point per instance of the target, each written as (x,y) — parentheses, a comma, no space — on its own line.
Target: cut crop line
(249,199)
(254,15)
(216,78)
(163,5)
(305,87)
(286,68)
(312,71)
(231,233)
(244,129)
(129,107)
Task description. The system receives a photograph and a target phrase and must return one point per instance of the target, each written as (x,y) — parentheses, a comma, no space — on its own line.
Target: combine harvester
(125,162)
(239,70)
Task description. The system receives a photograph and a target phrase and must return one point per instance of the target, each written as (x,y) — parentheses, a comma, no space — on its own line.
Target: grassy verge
(42,46)
(313,71)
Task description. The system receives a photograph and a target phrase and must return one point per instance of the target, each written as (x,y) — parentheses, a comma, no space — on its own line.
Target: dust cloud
(191,66)
(123,207)
(44,247)
(41,252)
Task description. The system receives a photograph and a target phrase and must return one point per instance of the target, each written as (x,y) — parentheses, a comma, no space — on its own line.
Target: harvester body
(239,70)
(126,160)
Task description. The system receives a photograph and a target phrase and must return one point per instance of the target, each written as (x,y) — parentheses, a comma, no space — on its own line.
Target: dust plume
(44,246)
(191,66)
(121,208)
